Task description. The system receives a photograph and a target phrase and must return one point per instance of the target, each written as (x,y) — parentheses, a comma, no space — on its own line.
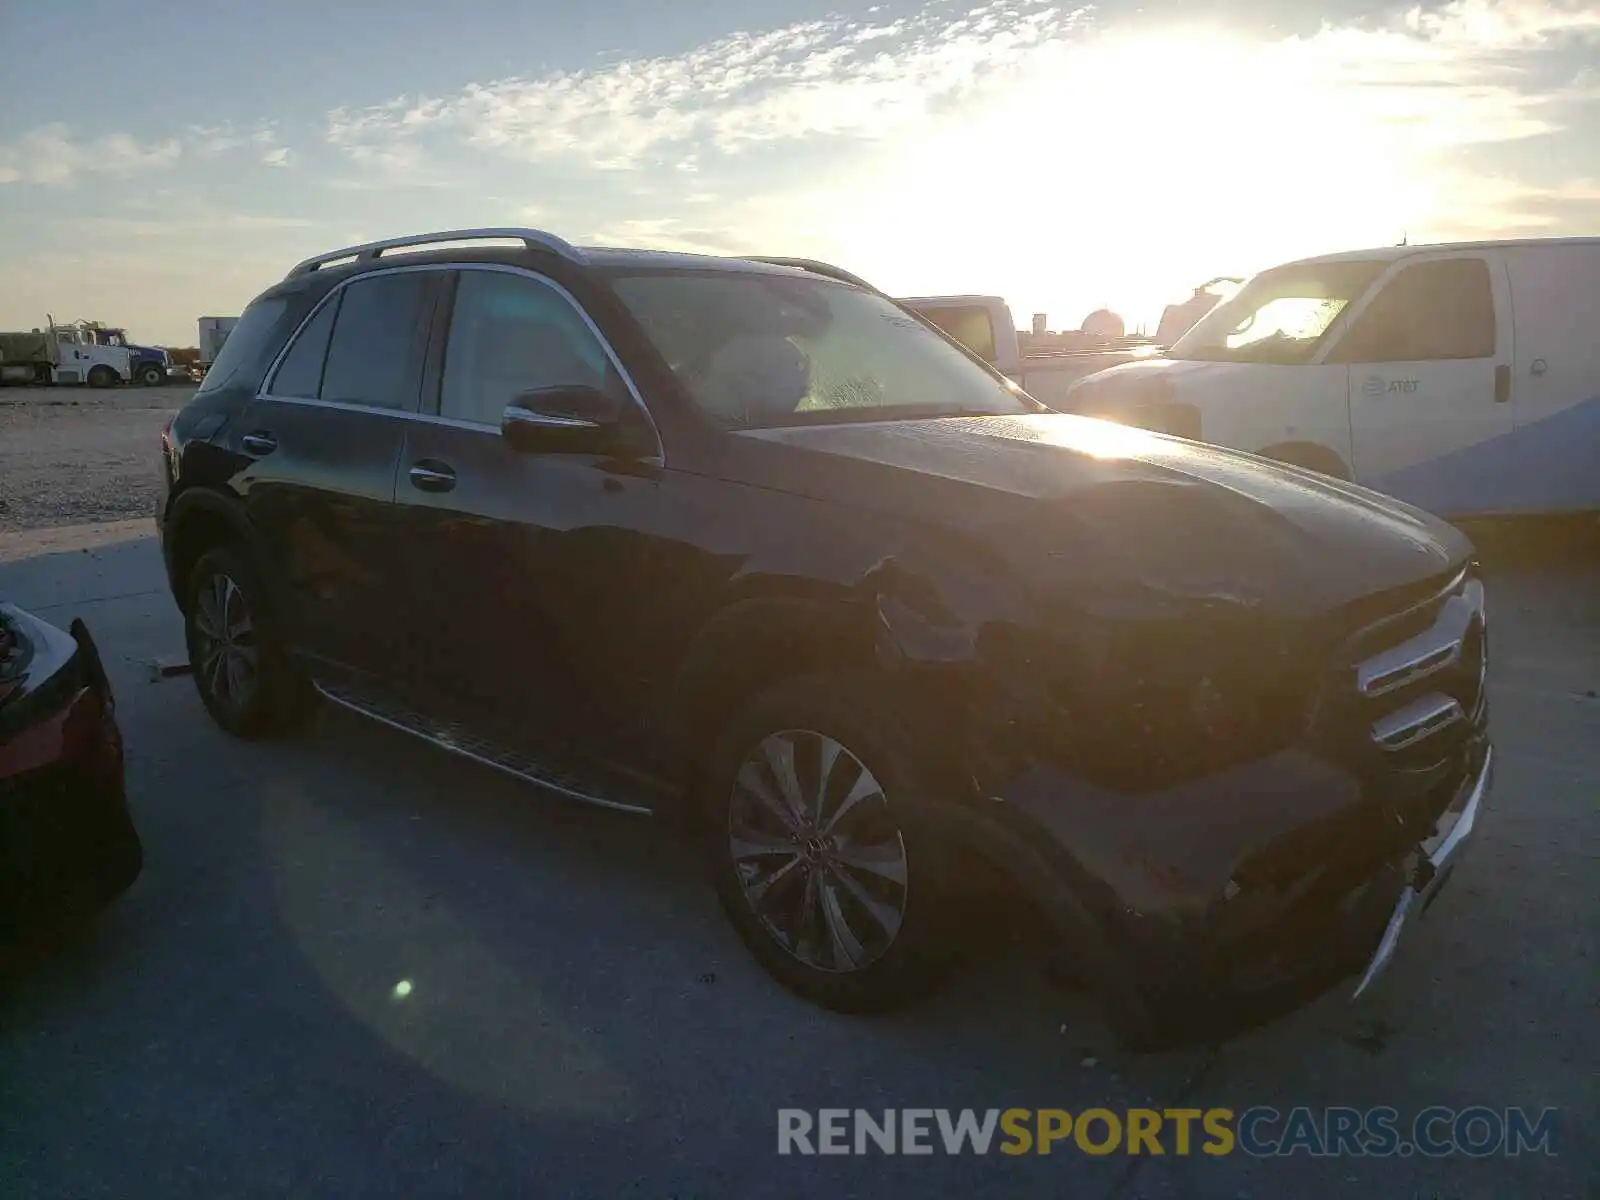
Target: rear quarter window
(245,343)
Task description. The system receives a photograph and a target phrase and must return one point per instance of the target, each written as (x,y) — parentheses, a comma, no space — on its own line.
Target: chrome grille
(1402,711)
(1420,673)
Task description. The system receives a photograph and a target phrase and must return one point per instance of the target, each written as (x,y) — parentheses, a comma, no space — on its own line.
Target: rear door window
(300,373)
(1428,312)
(375,355)
(243,343)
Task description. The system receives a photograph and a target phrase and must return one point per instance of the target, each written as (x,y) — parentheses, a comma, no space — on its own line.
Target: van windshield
(755,350)
(1280,316)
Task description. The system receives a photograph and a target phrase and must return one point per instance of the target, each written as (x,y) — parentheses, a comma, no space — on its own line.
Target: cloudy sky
(1064,157)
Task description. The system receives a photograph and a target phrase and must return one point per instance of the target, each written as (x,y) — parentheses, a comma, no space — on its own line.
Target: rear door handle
(1502,384)
(430,475)
(258,443)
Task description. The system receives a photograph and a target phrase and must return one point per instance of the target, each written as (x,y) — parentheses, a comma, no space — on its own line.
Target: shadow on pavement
(357,965)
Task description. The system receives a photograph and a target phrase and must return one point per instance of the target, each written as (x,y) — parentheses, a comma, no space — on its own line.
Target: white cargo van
(1463,378)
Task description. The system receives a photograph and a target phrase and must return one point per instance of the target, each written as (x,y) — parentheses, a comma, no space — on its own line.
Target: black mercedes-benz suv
(744,541)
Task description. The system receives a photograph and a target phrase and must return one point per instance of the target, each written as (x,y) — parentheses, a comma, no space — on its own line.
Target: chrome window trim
(264,392)
(343,406)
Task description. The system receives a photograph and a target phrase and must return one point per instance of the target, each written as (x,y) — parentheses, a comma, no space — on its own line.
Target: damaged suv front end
(1222,720)
(1228,815)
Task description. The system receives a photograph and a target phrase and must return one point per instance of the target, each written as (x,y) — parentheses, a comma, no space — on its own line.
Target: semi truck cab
(147,365)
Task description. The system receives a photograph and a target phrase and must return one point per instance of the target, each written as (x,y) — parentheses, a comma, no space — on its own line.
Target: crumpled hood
(1104,511)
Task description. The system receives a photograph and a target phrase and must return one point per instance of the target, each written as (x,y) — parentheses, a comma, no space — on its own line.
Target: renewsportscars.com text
(1261,1131)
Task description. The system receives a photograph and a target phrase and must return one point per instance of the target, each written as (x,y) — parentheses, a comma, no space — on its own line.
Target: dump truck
(63,353)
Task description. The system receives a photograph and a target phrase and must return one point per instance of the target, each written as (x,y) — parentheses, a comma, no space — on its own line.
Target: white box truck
(1464,378)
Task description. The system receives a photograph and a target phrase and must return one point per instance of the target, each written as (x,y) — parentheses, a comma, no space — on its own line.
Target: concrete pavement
(355,966)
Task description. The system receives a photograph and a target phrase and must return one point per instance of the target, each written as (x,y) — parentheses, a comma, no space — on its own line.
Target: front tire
(241,666)
(820,855)
(151,375)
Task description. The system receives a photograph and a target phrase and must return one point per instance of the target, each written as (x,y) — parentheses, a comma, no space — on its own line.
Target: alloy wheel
(821,861)
(226,656)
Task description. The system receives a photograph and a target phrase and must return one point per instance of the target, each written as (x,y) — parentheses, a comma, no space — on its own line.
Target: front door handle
(258,443)
(1502,384)
(430,475)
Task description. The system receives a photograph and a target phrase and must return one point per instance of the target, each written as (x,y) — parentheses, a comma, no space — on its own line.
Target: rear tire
(241,664)
(819,854)
(102,377)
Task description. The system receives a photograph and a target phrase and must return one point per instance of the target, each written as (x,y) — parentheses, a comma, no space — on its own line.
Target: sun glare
(1133,169)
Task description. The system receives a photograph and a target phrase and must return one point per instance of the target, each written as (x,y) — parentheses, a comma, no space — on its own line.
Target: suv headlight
(1149,705)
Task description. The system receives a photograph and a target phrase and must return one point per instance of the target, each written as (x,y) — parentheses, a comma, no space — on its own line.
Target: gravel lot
(72,454)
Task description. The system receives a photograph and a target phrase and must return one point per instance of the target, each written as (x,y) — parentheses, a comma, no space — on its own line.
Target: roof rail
(534,239)
(816,267)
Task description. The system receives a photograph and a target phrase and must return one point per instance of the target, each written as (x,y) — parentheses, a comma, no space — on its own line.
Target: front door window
(511,334)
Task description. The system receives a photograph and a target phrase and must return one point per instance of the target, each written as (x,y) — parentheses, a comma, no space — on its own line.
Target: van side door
(1429,360)
(1555,386)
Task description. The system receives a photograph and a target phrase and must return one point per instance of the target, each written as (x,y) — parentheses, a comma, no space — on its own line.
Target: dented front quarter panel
(1026,570)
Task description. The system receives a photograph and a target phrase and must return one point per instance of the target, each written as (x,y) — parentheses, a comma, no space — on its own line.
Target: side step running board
(459,742)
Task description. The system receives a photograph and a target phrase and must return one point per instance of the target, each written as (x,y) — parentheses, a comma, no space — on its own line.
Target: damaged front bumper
(1211,908)
(1437,857)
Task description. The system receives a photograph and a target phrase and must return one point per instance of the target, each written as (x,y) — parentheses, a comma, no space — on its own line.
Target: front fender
(916,609)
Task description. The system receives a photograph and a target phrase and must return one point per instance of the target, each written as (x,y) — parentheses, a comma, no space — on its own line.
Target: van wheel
(102,377)
(818,854)
(241,666)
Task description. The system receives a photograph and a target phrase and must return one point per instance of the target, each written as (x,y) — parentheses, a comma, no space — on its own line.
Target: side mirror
(570,418)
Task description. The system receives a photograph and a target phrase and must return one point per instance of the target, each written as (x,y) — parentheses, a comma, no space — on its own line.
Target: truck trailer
(213,332)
